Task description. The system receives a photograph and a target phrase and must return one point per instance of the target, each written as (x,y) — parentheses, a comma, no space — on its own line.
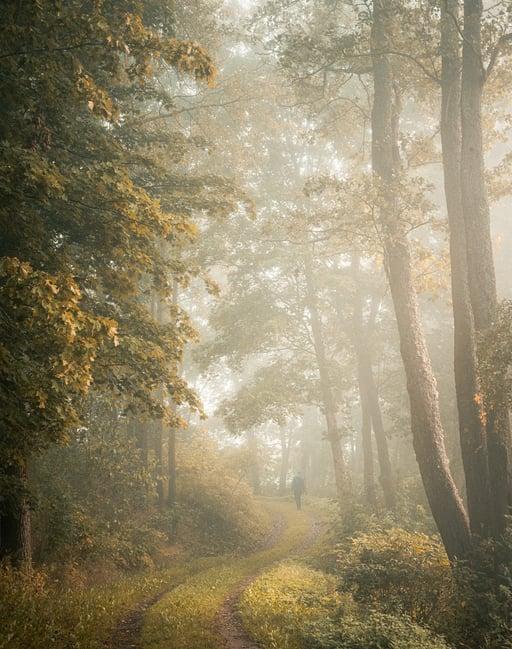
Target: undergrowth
(293,606)
(37,613)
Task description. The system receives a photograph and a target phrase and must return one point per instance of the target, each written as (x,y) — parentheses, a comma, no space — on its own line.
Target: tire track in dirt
(229,621)
(127,634)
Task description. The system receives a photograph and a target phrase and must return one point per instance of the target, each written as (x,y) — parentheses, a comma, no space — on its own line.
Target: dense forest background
(241,241)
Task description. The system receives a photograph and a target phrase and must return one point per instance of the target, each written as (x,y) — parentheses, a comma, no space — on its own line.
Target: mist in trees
(255,253)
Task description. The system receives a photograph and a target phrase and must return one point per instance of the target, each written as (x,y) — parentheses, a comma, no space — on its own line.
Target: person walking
(298,489)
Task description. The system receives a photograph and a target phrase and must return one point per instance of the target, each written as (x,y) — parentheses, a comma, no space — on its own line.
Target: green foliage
(483,608)
(398,572)
(495,360)
(292,607)
(274,608)
(47,350)
(91,498)
(91,212)
(216,509)
(376,631)
(95,500)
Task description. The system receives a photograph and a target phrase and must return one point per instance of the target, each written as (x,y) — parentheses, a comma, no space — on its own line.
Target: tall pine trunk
(473,438)
(428,435)
(482,280)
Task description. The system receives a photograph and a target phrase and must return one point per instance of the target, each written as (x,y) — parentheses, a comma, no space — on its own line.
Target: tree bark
(473,437)
(329,407)
(482,280)
(305,456)
(158,425)
(15,522)
(386,478)
(158,440)
(171,466)
(427,431)
(171,440)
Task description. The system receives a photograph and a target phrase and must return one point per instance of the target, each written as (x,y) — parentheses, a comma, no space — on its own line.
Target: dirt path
(230,625)
(128,632)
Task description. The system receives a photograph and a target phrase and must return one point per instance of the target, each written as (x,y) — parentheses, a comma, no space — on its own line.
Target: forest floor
(202,611)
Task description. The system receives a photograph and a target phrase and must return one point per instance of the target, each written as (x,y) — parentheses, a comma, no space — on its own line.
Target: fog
(256,329)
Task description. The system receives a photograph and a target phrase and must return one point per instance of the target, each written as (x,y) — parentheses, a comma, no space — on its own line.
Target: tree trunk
(366,438)
(329,407)
(158,425)
(473,438)
(386,479)
(15,522)
(158,440)
(428,435)
(254,465)
(482,280)
(285,457)
(171,466)
(305,459)
(368,389)
(171,440)
(140,433)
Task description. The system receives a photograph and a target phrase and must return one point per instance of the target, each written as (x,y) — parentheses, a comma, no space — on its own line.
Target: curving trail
(229,623)
(200,611)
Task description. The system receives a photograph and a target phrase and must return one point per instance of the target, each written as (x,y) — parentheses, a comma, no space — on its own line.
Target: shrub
(483,607)
(398,572)
(216,508)
(294,607)
(374,631)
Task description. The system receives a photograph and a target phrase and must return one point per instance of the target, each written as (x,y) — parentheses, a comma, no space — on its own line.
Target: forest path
(127,635)
(229,622)
(202,612)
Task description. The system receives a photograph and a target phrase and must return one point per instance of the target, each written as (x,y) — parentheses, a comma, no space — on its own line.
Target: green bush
(483,607)
(216,510)
(374,631)
(295,607)
(398,572)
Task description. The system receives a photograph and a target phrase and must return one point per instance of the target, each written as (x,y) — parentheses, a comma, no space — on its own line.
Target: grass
(186,616)
(36,613)
(276,605)
(292,606)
